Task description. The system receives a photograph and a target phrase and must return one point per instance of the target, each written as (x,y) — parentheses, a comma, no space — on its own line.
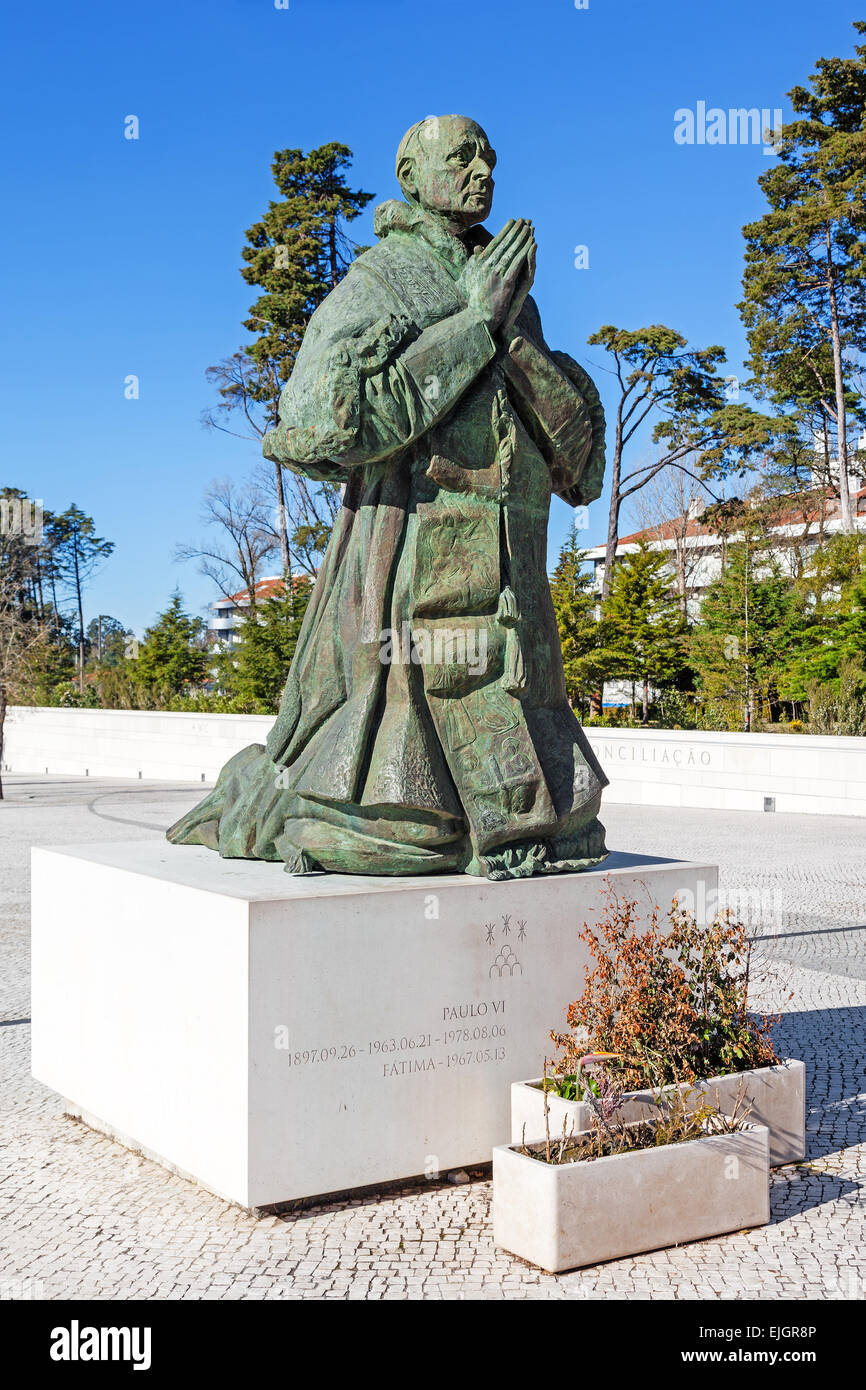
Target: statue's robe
(398,750)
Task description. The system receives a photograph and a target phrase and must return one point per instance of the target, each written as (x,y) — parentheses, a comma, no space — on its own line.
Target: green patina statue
(424,725)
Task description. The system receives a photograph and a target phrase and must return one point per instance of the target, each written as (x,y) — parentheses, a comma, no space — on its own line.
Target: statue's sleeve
(562,408)
(368,381)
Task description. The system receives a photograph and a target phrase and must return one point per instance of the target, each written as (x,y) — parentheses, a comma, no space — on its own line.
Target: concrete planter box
(777,1096)
(562,1216)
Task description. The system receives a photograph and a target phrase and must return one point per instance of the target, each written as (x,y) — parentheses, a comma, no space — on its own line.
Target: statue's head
(445,164)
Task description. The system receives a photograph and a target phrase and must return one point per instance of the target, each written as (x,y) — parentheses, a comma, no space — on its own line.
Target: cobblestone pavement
(80,1217)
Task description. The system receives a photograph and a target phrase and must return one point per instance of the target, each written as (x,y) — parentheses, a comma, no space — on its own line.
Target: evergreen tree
(575,603)
(852,630)
(76,554)
(172,655)
(107,639)
(805,277)
(255,670)
(748,630)
(295,254)
(642,626)
(828,597)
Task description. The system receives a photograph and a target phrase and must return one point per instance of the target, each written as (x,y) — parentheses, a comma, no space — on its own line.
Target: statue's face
(451,171)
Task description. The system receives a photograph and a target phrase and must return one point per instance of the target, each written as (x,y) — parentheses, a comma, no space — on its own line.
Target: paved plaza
(81,1217)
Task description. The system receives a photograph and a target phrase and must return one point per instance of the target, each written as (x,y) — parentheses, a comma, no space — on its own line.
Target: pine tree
(642,626)
(76,554)
(829,597)
(748,630)
(575,603)
(296,253)
(172,655)
(255,670)
(852,630)
(805,277)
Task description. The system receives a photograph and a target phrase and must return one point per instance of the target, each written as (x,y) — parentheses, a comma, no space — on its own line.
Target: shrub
(675,709)
(671,1002)
(841,709)
(68,695)
(720,716)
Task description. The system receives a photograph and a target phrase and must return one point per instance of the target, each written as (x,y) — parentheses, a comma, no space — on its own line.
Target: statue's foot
(562,854)
(201,825)
(343,848)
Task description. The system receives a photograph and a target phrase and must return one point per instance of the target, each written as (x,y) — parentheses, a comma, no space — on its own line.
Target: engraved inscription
(412,1054)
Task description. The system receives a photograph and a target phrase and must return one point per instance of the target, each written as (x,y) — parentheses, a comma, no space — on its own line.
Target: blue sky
(121,257)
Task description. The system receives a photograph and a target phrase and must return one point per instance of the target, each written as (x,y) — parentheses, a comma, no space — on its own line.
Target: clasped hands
(497,278)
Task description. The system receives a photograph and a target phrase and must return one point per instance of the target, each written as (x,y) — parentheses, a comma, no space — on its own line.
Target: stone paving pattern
(81,1217)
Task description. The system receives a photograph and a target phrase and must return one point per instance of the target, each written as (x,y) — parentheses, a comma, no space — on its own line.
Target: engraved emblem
(506,963)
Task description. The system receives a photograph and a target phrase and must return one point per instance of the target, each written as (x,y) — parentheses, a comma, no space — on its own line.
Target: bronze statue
(424,725)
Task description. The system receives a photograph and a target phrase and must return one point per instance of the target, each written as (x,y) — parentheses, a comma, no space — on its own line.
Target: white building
(227,613)
(696,550)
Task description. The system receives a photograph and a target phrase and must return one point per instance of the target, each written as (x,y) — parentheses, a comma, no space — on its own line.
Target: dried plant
(678,1120)
(671,1001)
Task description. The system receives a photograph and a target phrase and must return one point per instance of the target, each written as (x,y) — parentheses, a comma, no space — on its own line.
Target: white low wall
(127,743)
(672,767)
(658,767)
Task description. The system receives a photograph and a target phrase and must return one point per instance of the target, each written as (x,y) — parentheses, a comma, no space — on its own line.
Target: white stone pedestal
(276,1037)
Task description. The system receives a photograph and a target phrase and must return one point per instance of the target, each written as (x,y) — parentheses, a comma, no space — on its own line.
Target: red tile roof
(669,530)
(265,588)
